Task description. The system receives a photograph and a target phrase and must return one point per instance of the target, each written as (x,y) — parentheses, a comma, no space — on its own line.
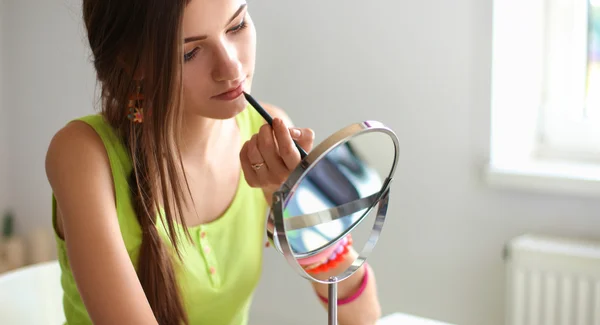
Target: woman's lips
(231,94)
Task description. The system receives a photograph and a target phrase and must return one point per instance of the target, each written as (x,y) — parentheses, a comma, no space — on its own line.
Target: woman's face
(219,59)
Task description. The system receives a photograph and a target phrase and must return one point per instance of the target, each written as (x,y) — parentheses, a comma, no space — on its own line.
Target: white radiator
(552,281)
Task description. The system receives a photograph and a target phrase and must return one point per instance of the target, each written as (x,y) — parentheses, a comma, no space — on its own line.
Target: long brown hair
(138,43)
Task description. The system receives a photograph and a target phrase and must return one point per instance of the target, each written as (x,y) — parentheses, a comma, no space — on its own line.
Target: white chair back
(32,295)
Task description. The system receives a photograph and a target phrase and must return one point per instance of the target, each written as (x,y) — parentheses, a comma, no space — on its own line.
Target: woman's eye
(191,54)
(239,27)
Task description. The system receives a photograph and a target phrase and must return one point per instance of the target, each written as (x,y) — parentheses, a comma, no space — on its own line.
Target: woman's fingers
(270,155)
(249,172)
(305,137)
(287,149)
(257,161)
(269,150)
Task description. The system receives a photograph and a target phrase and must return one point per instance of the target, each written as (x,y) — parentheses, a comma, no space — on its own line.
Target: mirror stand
(332,300)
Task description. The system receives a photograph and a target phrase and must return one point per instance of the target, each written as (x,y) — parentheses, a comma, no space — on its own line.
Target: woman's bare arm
(79,173)
(365,309)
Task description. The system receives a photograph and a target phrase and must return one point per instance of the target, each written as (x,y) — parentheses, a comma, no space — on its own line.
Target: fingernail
(295,132)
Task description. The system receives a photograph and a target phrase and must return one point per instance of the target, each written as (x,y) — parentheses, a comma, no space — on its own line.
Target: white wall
(422,67)
(50,82)
(4,154)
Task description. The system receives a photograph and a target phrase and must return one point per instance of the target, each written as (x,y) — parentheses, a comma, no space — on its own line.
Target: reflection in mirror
(344,185)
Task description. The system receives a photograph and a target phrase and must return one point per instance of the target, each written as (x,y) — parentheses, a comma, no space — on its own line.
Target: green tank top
(220,270)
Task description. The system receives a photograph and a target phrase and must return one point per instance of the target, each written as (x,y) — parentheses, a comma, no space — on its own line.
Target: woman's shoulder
(84,136)
(74,143)
(276,112)
(84,130)
(256,121)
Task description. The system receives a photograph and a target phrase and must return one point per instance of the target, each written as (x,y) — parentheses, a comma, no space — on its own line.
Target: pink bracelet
(357,294)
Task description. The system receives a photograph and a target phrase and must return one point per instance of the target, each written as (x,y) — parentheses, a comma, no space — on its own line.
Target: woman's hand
(270,156)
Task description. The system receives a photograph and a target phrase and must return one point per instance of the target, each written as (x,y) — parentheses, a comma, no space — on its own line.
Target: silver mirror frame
(280,198)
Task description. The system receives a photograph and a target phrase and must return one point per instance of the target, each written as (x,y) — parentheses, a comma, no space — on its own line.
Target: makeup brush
(269,119)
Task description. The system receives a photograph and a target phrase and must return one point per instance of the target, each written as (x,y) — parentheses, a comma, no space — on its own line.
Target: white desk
(404,319)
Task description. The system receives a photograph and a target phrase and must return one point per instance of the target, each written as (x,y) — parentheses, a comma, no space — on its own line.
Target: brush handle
(269,119)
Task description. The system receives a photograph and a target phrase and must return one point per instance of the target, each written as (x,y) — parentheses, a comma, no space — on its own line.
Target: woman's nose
(227,64)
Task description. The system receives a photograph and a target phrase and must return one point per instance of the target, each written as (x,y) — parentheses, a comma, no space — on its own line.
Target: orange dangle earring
(134,107)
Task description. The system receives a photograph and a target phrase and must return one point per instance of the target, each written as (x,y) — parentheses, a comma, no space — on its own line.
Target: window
(593,61)
(570,107)
(545,98)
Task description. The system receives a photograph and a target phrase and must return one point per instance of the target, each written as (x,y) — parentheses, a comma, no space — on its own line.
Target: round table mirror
(339,193)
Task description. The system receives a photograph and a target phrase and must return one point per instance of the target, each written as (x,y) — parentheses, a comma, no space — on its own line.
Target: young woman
(159,201)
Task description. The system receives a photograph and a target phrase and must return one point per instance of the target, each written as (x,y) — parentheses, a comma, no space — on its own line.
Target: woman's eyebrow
(201,37)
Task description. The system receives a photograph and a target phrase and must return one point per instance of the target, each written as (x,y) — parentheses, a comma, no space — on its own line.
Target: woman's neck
(203,137)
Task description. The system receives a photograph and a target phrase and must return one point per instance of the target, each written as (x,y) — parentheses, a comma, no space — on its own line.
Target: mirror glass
(338,194)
